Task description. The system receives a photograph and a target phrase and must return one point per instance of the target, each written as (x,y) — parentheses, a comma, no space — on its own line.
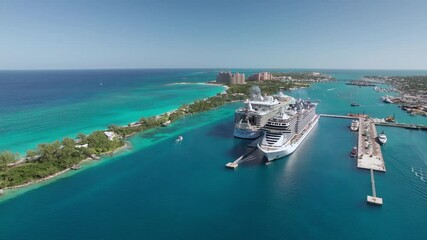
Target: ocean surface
(161,190)
(44,106)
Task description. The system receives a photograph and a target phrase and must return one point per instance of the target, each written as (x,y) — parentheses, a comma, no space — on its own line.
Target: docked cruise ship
(285,131)
(249,119)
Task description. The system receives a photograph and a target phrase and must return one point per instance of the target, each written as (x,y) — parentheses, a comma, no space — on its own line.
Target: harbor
(194,173)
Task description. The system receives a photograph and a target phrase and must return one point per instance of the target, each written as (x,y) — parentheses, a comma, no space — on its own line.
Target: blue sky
(374,34)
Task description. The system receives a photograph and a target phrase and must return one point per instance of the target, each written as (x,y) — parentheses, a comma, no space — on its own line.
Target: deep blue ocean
(161,190)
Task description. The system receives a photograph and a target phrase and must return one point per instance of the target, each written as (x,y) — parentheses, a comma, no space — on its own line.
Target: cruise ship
(249,119)
(286,131)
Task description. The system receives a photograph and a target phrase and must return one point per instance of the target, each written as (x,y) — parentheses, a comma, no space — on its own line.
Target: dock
(403,125)
(234,164)
(374,199)
(369,154)
(248,156)
(338,116)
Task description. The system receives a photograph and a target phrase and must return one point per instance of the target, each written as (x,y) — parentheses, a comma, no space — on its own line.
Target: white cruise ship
(285,131)
(249,119)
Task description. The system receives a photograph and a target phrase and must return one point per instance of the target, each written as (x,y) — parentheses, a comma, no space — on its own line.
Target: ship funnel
(250,107)
(255,90)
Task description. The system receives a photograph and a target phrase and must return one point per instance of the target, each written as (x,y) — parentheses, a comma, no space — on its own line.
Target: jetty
(403,125)
(249,155)
(369,154)
(338,116)
(374,199)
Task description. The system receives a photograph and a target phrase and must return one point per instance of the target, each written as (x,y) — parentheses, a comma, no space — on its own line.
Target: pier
(338,116)
(374,199)
(403,125)
(248,156)
(369,155)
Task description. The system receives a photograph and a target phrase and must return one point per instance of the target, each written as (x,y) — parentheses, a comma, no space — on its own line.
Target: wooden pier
(374,199)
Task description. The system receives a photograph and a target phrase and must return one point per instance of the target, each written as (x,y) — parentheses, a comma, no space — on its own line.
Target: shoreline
(6,189)
(195,107)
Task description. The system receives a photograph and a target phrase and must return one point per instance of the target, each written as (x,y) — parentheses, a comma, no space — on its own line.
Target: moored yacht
(354,126)
(382,138)
(353,152)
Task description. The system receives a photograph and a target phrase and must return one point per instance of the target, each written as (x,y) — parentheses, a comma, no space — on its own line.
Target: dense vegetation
(266,87)
(51,158)
(410,83)
(403,83)
(304,76)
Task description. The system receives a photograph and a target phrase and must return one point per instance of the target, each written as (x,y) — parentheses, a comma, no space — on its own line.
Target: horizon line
(219,68)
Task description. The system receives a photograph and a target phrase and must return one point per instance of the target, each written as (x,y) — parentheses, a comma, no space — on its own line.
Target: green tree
(7,157)
(82,138)
(49,151)
(31,153)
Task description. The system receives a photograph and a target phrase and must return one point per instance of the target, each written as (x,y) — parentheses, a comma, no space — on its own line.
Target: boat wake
(330,89)
(419,174)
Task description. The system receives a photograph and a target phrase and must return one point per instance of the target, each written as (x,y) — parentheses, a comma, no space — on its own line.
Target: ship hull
(286,149)
(246,134)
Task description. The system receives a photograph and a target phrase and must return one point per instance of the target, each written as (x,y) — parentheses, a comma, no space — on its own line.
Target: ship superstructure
(249,119)
(287,129)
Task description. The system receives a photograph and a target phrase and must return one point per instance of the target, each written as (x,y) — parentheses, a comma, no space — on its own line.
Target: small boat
(382,138)
(179,139)
(389,118)
(354,105)
(387,99)
(353,152)
(354,126)
(358,115)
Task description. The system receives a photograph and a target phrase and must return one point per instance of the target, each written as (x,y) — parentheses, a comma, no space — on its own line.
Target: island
(307,77)
(49,160)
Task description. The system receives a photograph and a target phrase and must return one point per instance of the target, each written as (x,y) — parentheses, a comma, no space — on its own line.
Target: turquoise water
(63,109)
(163,190)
